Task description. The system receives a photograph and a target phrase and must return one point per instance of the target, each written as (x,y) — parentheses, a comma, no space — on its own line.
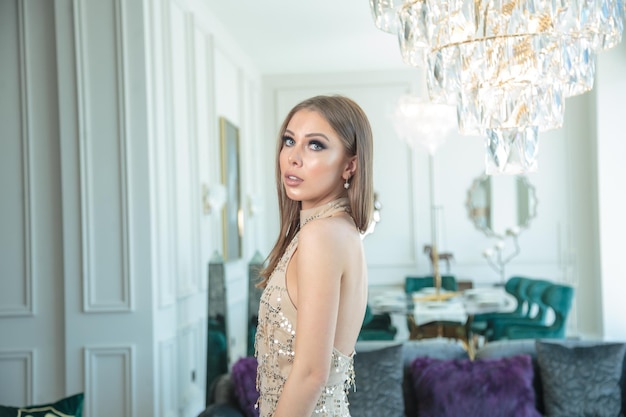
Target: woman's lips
(292,180)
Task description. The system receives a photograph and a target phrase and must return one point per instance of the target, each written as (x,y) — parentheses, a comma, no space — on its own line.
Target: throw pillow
(244,381)
(500,387)
(378,383)
(439,348)
(505,348)
(67,407)
(581,380)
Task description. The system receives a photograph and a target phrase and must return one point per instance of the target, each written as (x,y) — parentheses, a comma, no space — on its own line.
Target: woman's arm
(319,268)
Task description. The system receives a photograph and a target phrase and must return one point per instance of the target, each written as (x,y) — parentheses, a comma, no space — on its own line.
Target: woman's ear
(350,168)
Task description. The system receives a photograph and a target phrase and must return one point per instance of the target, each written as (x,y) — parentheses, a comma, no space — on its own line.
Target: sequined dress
(276,332)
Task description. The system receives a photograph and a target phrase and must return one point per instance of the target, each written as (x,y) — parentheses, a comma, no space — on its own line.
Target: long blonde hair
(350,123)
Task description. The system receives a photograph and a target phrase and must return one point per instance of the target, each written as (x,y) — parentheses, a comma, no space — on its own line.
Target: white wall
(106,221)
(31,259)
(104,263)
(198,74)
(611,89)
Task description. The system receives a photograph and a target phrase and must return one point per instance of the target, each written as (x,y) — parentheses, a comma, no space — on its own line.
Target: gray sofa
(435,377)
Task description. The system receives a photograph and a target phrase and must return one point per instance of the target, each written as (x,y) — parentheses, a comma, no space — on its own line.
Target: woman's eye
(316,146)
(287,141)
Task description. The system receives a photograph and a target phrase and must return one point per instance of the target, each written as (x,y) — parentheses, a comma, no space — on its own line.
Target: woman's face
(313,160)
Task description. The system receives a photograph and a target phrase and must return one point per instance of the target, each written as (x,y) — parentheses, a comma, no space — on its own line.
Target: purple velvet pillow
(244,381)
(498,387)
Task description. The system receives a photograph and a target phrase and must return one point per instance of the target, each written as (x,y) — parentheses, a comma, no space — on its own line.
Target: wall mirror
(501,203)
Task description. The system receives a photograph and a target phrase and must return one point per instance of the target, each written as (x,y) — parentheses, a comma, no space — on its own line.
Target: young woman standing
(315,282)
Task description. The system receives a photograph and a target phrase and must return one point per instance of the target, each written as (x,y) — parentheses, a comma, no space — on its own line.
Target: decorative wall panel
(109,381)
(16,377)
(188,357)
(182,138)
(207,143)
(162,169)
(103,152)
(16,240)
(167,378)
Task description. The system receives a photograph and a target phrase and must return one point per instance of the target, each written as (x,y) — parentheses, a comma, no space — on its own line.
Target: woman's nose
(294,156)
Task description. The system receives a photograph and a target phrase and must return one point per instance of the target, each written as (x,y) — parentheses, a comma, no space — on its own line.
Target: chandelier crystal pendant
(507,65)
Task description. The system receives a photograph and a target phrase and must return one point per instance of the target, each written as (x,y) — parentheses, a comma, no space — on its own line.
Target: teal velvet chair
(536,311)
(413,283)
(516,286)
(377,326)
(557,297)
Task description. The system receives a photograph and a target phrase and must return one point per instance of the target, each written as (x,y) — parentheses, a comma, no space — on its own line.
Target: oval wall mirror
(501,204)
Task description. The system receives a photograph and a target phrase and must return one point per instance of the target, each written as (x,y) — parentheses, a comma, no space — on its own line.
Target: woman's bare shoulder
(330,232)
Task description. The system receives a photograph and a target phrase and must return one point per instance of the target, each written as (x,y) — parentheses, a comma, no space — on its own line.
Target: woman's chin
(293,194)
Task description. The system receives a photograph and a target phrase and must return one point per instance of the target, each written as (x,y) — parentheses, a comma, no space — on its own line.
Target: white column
(611,90)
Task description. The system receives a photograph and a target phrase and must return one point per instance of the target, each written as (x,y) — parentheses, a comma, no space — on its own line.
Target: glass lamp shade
(417,121)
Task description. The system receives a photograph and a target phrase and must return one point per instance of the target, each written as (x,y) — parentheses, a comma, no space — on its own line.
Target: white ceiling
(298,36)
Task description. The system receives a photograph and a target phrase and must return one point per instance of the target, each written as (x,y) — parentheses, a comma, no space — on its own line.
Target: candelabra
(495,255)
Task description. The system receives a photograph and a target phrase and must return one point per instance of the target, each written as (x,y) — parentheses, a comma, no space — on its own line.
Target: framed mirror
(501,204)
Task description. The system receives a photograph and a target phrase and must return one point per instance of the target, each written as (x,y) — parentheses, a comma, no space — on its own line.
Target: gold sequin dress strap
(325,210)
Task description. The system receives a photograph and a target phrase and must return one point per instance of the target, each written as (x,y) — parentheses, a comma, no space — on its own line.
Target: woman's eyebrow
(309,135)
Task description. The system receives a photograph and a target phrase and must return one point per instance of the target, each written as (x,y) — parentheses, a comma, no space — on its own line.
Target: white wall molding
(193,204)
(110,370)
(29,281)
(611,171)
(167,376)
(24,305)
(168,284)
(182,137)
(161,183)
(93,240)
(210,146)
(205,114)
(24,359)
(195,216)
(189,360)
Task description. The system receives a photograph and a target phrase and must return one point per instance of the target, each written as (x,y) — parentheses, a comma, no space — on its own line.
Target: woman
(315,283)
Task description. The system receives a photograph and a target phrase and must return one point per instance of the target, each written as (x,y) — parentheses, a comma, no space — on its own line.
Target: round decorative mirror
(501,204)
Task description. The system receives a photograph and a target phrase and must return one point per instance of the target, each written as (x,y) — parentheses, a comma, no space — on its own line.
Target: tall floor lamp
(417,121)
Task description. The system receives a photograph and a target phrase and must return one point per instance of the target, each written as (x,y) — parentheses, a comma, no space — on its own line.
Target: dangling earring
(346,184)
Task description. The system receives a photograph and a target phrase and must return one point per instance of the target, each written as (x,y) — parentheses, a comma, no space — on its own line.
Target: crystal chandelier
(507,65)
(420,122)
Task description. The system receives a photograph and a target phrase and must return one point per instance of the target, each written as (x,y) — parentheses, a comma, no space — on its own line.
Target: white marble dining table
(429,306)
